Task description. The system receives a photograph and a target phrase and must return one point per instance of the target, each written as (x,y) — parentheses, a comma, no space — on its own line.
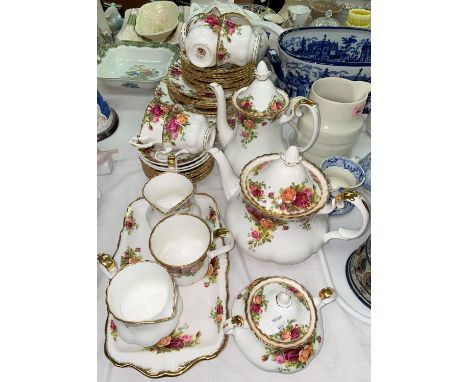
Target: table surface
(345,355)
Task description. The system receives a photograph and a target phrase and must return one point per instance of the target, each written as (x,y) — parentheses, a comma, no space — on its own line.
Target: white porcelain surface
(135,66)
(182,243)
(281,360)
(144,302)
(299,14)
(157,20)
(341,103)
(205,308)
(257,134)
(262,234)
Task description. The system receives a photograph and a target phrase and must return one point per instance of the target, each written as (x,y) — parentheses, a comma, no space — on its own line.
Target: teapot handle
(295,111)
(347,234)
(107,264)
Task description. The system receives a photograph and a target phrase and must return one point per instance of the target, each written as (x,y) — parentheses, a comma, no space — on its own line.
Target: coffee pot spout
(224,131)
(229,180)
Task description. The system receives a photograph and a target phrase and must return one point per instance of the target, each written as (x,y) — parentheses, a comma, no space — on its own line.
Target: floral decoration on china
(291,331)
(259,305)
(176,341)
(130,256)
(130,222)
(113,329)
(212,273)
(217,313)
(175,126)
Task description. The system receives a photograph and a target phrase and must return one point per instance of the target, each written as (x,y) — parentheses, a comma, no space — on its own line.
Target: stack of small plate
(194,167)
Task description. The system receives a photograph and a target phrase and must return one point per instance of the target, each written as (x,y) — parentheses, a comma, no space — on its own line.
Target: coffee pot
(261,111)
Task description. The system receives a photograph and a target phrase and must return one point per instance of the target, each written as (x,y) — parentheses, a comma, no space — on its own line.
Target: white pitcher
(340,103)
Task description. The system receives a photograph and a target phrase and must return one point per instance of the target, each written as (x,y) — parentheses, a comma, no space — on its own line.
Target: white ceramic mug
(182,243)
(168,193)
(143,299)
(299,14)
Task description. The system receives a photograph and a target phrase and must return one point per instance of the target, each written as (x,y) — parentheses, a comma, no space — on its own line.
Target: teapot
(282,199)
(143,300)
(261,109)
(277,324)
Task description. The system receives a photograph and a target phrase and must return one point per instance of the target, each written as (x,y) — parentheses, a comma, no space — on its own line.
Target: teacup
(299,14)
(182,243)
(143,300)
(343,174)
(169,193)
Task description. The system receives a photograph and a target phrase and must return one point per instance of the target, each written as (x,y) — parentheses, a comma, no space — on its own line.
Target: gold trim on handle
(326,293)
(106,261)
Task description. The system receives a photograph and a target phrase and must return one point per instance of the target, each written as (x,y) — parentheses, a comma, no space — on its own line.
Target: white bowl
(157,20)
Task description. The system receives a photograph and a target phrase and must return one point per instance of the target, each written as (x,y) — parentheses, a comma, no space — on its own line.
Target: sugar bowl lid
(281,312)
(261,97)
(284,185)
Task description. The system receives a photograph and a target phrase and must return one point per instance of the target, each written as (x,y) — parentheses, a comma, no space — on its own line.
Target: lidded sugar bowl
(277,324)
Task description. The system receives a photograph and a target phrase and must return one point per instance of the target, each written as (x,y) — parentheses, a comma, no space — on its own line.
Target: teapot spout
(229,180)
(224,131)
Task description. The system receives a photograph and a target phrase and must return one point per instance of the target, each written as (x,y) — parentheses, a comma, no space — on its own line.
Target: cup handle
(295,111)
(221,232)
(183,36)
(107,264)
(347,234)
(326,296)
(232,323)
(140,143)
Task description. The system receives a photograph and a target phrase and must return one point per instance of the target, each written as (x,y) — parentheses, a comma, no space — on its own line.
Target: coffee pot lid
(284,185)
(281,312)
(261,96)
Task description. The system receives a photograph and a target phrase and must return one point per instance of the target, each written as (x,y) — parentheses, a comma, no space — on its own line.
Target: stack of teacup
(143,298)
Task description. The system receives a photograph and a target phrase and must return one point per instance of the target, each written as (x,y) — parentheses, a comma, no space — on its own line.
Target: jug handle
(107,264)
(347,234)
(295,111)
(221,232)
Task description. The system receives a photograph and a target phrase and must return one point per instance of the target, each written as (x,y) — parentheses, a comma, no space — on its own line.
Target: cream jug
(340,103)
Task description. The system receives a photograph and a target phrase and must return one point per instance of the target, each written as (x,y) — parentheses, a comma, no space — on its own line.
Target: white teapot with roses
(278,209)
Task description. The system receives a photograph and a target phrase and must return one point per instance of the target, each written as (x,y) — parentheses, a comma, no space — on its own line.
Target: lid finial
(262,73)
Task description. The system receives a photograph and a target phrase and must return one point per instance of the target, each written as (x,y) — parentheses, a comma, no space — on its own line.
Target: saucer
(199,335)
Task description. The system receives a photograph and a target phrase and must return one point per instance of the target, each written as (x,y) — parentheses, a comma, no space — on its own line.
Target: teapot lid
(261,97)
(284,185)
(281,312)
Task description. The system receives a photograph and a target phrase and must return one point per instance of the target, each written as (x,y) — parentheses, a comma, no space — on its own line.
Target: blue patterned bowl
(354,171)
(366,165)
(307,54)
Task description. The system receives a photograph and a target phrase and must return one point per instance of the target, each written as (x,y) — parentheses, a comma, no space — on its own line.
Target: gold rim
(264,337)
(174,304)
(269,115)
(243,180)
(179,266)
(178,205)
(187,365)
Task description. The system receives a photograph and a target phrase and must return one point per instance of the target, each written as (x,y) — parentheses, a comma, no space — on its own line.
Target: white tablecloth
(345,355)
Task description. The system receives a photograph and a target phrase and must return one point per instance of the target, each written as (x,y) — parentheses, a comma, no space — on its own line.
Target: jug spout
(361,89)
(229,180)
(224,131)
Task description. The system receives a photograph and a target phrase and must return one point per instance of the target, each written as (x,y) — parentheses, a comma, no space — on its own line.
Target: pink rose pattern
(129,222)
(291,332)
(113,329)
(292,359)
(295,198)
(217,314)
(212,273)
(249,124)
(130,256)
(220,24)
(177,340)
(175,125)
(258,306)
(261,231)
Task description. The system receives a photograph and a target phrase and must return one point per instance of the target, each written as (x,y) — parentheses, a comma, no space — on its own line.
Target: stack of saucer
(194,167)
